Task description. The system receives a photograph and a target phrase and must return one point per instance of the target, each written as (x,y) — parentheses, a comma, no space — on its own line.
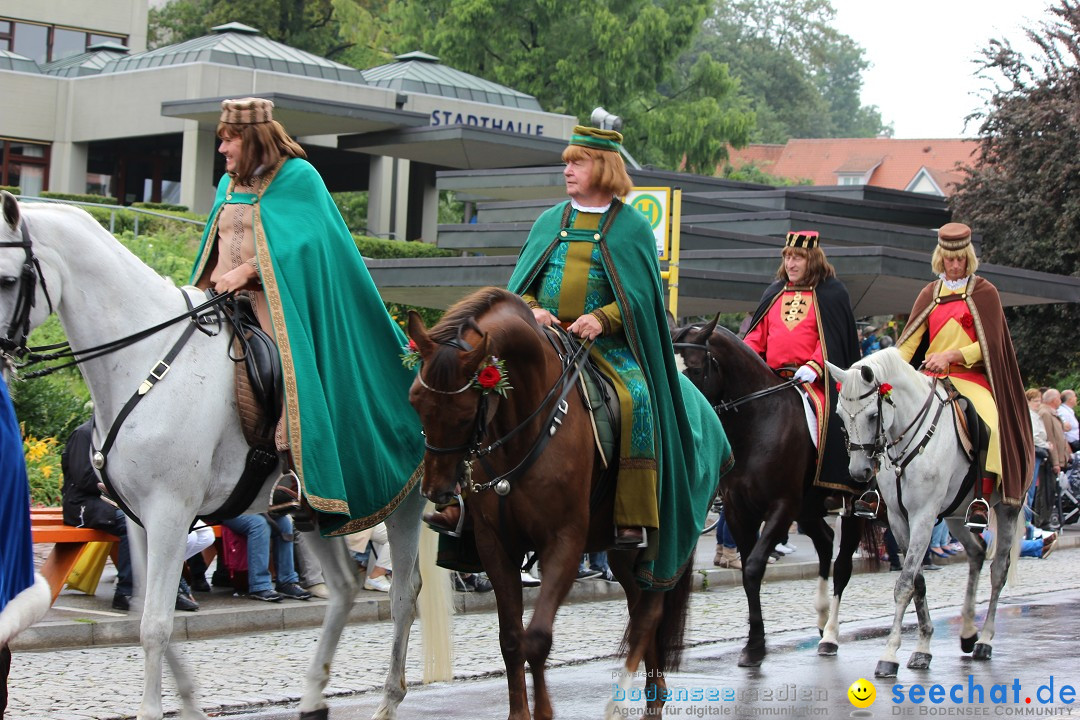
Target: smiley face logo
(861,693)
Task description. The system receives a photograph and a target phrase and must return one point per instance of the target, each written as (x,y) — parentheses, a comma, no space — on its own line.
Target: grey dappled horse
(181,451)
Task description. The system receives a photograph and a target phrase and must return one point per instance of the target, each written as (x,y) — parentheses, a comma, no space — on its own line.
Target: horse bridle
(473,449)
(14,339)
(711,361)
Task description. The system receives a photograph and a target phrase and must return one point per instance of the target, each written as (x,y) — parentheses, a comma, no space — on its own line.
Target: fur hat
(954,236)
(596,138)
(247,111)
(805,239)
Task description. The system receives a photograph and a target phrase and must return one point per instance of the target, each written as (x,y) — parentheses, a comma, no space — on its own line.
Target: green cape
(692,449)
(354,438)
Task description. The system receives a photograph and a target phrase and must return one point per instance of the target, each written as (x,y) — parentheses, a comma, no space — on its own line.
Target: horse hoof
(886,669)
(320,714)
(827,649)
(967,644)
(751,657)
(919,661)
(982,651)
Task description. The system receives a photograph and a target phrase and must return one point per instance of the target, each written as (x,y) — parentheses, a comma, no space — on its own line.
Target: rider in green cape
(590,263)
(347,429)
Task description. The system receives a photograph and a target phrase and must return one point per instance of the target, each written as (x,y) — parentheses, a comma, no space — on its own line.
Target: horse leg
(157,555)
(341,579)
(851,530)
(976,556)
(916,546)
(999,570)
(920,657)
(755,555)
(817,529)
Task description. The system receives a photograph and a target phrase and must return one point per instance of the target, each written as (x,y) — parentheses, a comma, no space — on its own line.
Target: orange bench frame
(47,526)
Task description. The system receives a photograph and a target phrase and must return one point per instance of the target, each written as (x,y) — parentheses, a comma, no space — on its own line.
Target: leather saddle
(598,394)
(259,384)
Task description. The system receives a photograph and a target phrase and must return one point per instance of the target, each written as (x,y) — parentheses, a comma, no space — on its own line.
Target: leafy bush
(77,197)
(387,249)
(13,189)
(160,206)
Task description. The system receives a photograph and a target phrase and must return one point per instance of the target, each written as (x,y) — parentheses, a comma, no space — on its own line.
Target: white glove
(805,374)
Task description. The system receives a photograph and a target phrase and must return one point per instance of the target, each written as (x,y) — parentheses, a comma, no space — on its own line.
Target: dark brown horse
(537,437)
(772,480)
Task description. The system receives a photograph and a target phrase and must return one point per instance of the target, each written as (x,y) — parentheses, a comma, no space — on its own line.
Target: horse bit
(473,450)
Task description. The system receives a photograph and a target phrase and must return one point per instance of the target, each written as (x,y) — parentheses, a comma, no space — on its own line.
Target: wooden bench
(47,526)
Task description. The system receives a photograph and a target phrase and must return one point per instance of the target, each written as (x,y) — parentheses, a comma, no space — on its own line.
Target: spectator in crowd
(259,530)
(308,568)
(1042,447)
(870,342)
(1055,431)
(1067,412)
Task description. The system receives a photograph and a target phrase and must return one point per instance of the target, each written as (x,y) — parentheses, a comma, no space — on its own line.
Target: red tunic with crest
(787,337)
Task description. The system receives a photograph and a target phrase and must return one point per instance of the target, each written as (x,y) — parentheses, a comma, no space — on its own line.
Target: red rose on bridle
(885,389)
(967,321)
(413,347)
(489,377)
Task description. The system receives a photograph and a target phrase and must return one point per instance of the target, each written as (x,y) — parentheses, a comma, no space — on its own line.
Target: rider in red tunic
(804,319)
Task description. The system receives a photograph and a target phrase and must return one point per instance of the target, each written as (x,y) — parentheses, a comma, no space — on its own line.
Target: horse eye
(8,281)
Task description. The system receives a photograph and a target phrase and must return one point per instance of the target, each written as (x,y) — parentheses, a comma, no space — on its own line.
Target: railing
(113,209)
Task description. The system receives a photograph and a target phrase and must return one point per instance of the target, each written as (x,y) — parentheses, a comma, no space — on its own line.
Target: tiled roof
(819,160)
(242,46)
(422,73)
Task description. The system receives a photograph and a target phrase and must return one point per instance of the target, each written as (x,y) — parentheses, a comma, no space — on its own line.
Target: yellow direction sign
(655,204)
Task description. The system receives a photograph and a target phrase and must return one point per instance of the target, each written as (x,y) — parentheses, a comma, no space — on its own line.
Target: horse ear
(836,373)
(11,209)
(419,334)
(867,373)
(477,355)
(708,329)
(671,324)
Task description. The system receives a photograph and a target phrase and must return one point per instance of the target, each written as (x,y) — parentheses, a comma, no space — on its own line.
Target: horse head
(693,346)
(866,409)
(452,405)
(21,280)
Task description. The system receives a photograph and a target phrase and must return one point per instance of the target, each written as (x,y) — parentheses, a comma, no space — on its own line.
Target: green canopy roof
(18,63)
(242,46)
(422,73)
(91,62)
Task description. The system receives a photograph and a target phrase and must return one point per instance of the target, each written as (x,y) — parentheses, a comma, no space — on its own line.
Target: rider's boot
(977,516)
(867,505)
(447,520)
(630,538)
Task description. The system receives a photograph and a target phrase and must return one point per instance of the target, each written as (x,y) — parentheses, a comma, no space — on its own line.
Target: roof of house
(897,161)
(419,72)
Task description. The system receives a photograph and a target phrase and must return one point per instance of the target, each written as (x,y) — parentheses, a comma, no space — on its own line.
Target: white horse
(908,434)
(181,451)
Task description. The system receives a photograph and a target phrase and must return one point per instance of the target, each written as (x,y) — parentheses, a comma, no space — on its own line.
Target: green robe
(692,449)
(355,440)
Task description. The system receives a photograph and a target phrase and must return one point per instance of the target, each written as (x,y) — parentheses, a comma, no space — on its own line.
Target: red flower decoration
(967,321)
(885,389)
(413,347)
(838,387)
(489,377)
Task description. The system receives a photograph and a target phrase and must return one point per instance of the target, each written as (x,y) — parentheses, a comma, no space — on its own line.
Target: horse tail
(870,537)
(672,627)
(435,607)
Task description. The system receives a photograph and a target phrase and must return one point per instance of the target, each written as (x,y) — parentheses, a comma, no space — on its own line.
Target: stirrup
(867,505)
(285,495)
(444,530)
(980,521)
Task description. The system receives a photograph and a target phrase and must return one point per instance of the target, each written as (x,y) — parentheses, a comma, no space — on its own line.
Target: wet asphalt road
(1033,673)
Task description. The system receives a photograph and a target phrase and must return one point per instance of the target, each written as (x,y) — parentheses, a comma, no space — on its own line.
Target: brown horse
(525,460)
(772,480)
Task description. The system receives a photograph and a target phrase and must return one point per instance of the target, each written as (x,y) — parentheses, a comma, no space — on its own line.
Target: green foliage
(752,173)
(50,406)
(451,210)
(169,251)
(43,469)
(1024,193)
(353,208)
(380,249)
(77,197)
(13,189)
(575,56)
(160,206)
(802,77)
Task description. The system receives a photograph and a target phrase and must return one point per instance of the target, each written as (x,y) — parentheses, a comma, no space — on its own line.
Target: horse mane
(887,363)
(463,313)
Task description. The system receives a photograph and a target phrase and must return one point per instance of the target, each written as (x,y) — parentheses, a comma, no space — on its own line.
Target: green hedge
(77,197)
(386,249)
(13,189)
(160,206)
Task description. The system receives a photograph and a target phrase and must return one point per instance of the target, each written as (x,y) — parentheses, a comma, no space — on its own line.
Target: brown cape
(1017,444)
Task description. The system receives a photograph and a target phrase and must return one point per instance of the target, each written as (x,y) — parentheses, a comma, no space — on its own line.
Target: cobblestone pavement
(268,668)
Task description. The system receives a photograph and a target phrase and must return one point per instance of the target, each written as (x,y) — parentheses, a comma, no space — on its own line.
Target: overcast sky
(922,78)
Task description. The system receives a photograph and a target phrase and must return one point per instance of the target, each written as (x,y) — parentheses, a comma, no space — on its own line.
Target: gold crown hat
(805,239)
(953,236)
(596,138)
(247,111)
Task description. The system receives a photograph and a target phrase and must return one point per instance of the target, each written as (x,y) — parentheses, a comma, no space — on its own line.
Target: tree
(1023,194)
(802,76)
(348,31)
(573,57)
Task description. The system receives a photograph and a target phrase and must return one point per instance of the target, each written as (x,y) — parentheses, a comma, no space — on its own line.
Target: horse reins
(728,405)
(474,452)
(31,274)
